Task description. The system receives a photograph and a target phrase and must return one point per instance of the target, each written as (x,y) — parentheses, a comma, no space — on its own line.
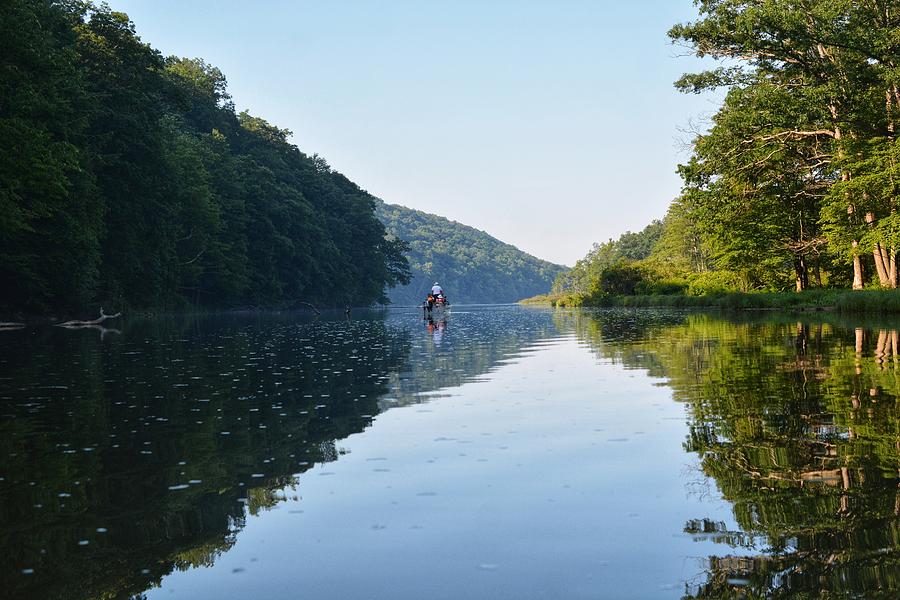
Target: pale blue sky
(550,125)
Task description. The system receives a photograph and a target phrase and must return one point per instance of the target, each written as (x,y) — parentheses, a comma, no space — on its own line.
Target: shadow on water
(796,421)
(125,457)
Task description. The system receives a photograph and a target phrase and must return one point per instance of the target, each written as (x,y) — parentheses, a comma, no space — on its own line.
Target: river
(502,452)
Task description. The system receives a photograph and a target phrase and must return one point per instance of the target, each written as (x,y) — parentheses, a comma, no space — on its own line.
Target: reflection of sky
(489,113)
(554,476)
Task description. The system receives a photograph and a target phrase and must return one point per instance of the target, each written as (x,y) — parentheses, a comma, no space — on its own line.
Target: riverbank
(845,301)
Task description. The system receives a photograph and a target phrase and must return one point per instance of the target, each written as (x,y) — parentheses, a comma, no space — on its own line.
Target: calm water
(504,453)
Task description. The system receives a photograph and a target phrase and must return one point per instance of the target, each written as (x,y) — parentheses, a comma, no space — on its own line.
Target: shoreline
(815,300)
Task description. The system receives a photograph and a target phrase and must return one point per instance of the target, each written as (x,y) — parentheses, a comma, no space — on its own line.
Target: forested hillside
(128,179)
(472,266)
(796,182)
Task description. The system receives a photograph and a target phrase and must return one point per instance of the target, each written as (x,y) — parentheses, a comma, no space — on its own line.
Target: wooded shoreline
(133,182)
(793,181)
(842,301)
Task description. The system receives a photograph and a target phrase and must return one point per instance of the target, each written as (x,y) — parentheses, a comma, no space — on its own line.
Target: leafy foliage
(794,184)
(587,275)
(131,181)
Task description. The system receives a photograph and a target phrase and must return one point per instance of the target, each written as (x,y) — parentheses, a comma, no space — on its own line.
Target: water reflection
(437,328)
(125,457)
(796,422)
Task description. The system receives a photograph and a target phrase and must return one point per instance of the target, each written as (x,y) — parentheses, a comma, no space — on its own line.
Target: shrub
(622,279)
(662,288)
(714,282)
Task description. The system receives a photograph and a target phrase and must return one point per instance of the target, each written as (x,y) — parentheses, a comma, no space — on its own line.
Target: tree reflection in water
(124,458)
(796,421)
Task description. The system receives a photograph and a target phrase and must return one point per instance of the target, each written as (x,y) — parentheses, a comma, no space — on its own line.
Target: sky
(549,125)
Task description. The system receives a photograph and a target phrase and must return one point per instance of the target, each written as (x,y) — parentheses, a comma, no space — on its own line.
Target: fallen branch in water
(315,310)
(77,324)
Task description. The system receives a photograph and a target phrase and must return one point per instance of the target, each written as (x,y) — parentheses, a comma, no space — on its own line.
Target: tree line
(472,266)
(128,178)
(795,182)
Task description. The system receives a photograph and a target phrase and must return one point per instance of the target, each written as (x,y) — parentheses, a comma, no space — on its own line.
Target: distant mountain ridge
(472,266)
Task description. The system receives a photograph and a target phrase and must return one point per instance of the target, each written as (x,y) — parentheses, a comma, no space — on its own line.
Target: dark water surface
(504,453)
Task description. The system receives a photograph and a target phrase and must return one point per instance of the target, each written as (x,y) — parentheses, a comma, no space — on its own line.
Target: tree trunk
(891,96)
(817,272)
(892,268)
(845,176)
(857,269)
(802,273)
(879,255)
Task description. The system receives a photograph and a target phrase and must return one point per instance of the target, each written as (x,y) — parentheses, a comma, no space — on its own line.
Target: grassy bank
(869,301)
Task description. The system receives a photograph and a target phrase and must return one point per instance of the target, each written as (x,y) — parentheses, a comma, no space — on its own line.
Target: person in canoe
(436,297)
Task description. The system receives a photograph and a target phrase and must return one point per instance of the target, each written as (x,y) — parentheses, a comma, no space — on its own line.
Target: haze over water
(502,453)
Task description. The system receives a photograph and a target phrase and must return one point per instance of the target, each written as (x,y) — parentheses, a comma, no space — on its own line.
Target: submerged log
(75,324)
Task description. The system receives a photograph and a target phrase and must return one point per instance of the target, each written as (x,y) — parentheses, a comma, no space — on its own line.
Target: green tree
(133,182)
(755,192)
(50,214)
(820,55)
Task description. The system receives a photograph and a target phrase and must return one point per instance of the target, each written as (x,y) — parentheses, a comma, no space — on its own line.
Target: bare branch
(75,324)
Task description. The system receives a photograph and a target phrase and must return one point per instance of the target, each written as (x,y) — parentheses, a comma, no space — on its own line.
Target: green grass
(844,301)
(869,301)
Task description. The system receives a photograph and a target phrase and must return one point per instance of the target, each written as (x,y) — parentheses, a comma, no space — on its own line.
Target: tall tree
(757,191)
(811,50)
